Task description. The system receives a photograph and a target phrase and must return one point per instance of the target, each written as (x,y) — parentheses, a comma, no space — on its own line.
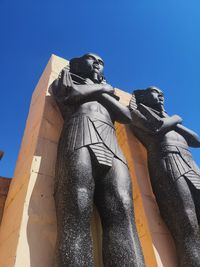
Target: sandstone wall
(4,187)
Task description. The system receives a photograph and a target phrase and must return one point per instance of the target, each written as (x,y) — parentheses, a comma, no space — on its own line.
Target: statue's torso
(90,124)
(154,142)
(174,137)
(168,155)
(90,108)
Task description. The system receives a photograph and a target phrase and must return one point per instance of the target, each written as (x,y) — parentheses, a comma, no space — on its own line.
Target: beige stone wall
(4,186)
(28,230)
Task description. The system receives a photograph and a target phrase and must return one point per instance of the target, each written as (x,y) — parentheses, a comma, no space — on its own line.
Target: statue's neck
(83,80)
(159,111)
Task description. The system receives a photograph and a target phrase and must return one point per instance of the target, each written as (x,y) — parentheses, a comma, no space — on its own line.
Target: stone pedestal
(28,229)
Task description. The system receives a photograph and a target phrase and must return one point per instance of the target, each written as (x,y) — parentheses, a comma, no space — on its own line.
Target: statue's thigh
(177,207)
(196,196)
(76,183)
(113,190)
(77,168)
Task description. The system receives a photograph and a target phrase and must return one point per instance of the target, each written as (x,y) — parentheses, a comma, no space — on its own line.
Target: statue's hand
(65,79)
(169,123)
(108,89)
(177,119)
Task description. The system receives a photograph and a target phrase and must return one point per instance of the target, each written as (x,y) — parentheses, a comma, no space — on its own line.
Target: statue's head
(151,97)
(88,66)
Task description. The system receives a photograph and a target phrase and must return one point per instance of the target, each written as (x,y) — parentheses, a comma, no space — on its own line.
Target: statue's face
(155,98)
(93,66)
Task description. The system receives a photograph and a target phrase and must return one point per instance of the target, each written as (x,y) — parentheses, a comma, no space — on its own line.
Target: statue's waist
(86,129)
(169,147)
(93,116)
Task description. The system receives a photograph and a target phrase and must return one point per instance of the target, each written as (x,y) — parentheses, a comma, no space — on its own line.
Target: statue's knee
(83,200)
(122,203)
(190,222)
(125,199)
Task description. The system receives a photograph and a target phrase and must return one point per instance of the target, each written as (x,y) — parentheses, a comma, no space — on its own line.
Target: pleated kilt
(173,162)
(95,131)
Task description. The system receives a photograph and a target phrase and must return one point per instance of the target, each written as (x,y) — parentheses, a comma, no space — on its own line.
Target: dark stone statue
(175,178)
(91,168)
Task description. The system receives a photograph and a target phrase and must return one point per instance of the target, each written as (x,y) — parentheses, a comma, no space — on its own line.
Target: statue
(92,168)
(174,176)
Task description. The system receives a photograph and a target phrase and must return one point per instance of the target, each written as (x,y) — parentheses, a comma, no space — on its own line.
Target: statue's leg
(178,211)
(113,198)
(195,192)
(74,202)
(196,196)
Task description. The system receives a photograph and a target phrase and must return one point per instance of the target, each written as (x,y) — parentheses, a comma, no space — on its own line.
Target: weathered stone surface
(174,176)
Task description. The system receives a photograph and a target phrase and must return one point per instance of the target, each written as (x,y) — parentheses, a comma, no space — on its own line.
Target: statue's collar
(161,113)
(80,80)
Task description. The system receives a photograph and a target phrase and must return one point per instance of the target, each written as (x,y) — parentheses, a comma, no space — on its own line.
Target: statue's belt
(172,147)
(94,116)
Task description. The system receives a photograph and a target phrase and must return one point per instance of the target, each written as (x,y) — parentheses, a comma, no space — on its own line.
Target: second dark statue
(92,168)
(175,178)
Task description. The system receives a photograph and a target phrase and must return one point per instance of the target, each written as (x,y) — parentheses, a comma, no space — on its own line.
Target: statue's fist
(107,88)
(178,118)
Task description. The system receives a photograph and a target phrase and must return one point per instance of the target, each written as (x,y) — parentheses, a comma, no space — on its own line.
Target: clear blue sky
(143,42)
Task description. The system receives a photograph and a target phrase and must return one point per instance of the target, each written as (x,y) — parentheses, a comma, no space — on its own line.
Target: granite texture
(91,169)
(175,177)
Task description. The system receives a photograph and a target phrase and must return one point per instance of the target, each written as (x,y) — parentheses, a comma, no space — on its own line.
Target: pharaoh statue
(91,168)
(174,176)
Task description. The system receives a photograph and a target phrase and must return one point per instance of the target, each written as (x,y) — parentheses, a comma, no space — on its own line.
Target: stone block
(8,249)
(47,151)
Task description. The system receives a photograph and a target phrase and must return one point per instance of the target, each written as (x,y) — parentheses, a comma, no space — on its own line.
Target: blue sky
(143,42)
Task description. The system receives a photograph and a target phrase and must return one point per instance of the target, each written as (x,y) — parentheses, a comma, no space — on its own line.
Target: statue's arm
(159,124)
(86,92)
(191,137)
(169,124)
(143,123)
(67,92)
(151,123)
(119,112)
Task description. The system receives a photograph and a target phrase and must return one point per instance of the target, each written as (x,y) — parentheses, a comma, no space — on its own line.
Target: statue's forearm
(83,92)
(120,113)
(86,90)
(169,123)
(191,137)
(141,122)
(68,92)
